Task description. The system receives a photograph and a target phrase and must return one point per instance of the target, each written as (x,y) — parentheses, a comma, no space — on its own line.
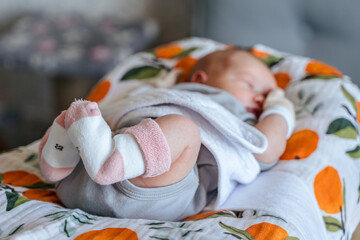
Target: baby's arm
(276,123)
(274,127)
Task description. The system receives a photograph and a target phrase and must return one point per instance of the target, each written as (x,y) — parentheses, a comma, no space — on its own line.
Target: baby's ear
(199,77)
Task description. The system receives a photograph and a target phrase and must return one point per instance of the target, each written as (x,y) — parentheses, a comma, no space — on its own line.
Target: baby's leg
(183,137)
(146,150)
(58,156)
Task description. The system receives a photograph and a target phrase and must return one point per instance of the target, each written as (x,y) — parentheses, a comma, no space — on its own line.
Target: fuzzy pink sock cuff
(153,144)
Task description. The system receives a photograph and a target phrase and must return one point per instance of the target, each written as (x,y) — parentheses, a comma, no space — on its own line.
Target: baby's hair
(219,58)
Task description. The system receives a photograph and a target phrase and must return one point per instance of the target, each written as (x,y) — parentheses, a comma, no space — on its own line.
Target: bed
(312,193)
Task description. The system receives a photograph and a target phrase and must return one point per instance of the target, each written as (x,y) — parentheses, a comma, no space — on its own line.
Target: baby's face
(247,79)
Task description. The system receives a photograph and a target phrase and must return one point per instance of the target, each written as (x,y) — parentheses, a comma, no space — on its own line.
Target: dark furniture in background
(326,30)
(47,60)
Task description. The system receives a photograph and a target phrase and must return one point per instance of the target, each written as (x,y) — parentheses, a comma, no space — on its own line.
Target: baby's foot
(58,156)
(110,159)
(91,135)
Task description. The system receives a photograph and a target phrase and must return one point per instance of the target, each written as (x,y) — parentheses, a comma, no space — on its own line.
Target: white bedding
(312,193)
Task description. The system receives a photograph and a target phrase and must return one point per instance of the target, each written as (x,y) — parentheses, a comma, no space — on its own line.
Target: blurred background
(54,51)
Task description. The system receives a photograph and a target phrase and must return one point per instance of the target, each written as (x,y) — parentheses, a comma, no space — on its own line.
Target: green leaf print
(20,201)
(291,238)
(41,185)
(317,108)
(31,158)
(142,72)
(242,233)
(71,220)
(162,228)
(304,105)
(67,228)
(178,230)
(332,224)
(272,60)
(80,219)
(151,51)
(343,210)
(358,200)
(343,128)
(258,214)
(301,94)
(14,200)
(189,232)
(320,77)
(186,52)
(350,98)
(161,237)
(222,214)
(355,153)
(155,223)
(16,229)
(310,99)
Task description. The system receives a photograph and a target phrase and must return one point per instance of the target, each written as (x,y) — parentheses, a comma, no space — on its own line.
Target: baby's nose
(259,98)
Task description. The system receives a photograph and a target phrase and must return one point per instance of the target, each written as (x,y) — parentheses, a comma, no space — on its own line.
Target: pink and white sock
(58,156)
(142,150)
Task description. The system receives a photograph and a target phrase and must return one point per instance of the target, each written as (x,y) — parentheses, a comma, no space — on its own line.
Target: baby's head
(239,73)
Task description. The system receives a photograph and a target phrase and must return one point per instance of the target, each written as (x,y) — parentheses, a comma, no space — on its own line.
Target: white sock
(110,159)
(58,155)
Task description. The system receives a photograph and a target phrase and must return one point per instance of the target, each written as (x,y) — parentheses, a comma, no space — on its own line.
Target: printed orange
(168,51)
(358,113)
(42,195)
(301,145)
(258,53)
(109,234)
(202,215)
(186,64)
(267,231)
(20,178)
(328,190)
(282,79)
(99,91)
(320,68)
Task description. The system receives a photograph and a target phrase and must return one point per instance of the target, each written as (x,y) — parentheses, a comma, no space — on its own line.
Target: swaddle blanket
(230,140)
(312,179)
(312,193)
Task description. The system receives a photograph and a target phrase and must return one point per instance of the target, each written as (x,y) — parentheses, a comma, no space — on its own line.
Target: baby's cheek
(245,101)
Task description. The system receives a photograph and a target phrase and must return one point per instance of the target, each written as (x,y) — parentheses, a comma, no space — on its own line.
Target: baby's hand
(277,97)
(277,103)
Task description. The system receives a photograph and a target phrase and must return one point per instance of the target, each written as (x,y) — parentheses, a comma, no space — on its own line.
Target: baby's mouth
(255,111)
